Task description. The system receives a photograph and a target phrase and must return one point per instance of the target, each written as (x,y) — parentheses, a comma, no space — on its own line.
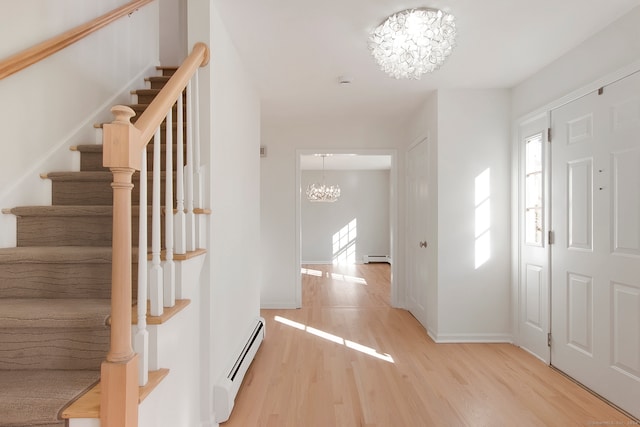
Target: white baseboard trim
(542,359)
(282,305)
(471,338)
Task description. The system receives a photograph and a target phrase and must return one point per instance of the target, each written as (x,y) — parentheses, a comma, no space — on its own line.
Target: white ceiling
(295,50)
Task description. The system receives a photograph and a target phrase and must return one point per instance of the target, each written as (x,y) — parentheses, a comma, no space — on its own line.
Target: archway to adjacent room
(344,232)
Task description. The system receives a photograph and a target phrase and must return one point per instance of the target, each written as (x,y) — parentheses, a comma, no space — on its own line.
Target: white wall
(468,132)
(54,103)
(613,48)
(364,197)
(473,136)
(231,276)
(278,189)
(173,32)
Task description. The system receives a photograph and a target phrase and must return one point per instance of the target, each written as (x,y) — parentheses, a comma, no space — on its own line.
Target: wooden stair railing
(30,56)
(123,144)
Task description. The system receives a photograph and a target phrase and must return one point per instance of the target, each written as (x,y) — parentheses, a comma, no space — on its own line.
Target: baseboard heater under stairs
(225,391)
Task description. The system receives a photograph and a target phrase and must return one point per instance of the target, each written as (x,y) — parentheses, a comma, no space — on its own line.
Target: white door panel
(595,261)
(533,295)
(417,199)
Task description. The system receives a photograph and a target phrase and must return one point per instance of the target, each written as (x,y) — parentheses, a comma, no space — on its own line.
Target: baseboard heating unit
(376,258)
(224,392)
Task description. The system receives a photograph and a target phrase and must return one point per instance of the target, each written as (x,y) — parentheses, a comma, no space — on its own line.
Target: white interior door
(417,186)
(533,295)
(596,256)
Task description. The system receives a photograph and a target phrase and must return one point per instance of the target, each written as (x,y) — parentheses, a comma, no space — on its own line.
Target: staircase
(55,289)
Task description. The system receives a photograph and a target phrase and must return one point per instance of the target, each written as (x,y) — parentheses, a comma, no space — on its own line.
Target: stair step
(36,398)
(158,82)
(91,156)
(67,334)
(70,225)
(93,188)
(58,313)
(167,70)
(59,272)
(140,108)
(88,405)
(145,96)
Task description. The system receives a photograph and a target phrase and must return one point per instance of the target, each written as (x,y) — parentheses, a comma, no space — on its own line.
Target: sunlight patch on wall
(344,244)
(336,339)
(483,218)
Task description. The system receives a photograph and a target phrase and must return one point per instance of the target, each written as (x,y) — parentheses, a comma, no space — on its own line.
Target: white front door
(533,295)
(417,186)
(595,260)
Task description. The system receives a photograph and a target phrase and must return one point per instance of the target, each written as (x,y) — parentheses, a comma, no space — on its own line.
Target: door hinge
(548,134)
(551,237)
(549,339)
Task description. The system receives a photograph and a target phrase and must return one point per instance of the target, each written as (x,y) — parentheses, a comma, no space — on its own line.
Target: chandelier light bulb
(413,42)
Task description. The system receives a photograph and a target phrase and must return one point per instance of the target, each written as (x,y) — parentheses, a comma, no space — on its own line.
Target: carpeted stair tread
(98,148)
(56,255)
(90,176)
(64,210)
(36,398)
(69,210)
(53,313)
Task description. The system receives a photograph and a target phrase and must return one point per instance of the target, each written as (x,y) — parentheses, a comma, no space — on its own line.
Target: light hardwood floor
(346,358)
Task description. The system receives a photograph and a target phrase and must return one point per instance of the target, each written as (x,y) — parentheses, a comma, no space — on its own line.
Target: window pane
(533,186)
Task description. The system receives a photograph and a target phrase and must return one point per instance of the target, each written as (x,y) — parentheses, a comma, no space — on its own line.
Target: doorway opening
(360,226)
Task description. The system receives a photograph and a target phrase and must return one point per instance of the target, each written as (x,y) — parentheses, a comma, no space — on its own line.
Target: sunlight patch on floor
(349,279)
(336,339)
(334,276)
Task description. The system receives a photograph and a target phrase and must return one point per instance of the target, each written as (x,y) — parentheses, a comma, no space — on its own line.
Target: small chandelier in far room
(413,42)
(322,192)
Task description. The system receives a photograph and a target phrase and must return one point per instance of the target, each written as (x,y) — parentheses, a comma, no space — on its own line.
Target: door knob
(423,244)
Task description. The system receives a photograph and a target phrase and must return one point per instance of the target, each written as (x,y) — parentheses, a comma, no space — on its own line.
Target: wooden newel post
(119,373)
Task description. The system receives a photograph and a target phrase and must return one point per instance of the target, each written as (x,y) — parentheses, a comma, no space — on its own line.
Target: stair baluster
(191,235)
(169,266)
(180,219)
(141,339)
(197,179)
(156,275)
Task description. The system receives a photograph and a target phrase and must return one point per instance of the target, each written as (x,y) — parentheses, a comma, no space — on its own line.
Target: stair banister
(155,113)
(30,56)
(123,146)
(119,372)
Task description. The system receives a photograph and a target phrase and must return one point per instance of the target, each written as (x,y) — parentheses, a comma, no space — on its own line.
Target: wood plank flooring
(346,358)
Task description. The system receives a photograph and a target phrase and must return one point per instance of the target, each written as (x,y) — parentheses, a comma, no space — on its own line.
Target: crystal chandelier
(413,42)
(321,192)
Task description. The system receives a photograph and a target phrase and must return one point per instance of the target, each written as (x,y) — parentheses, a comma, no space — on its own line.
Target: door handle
(423,244)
